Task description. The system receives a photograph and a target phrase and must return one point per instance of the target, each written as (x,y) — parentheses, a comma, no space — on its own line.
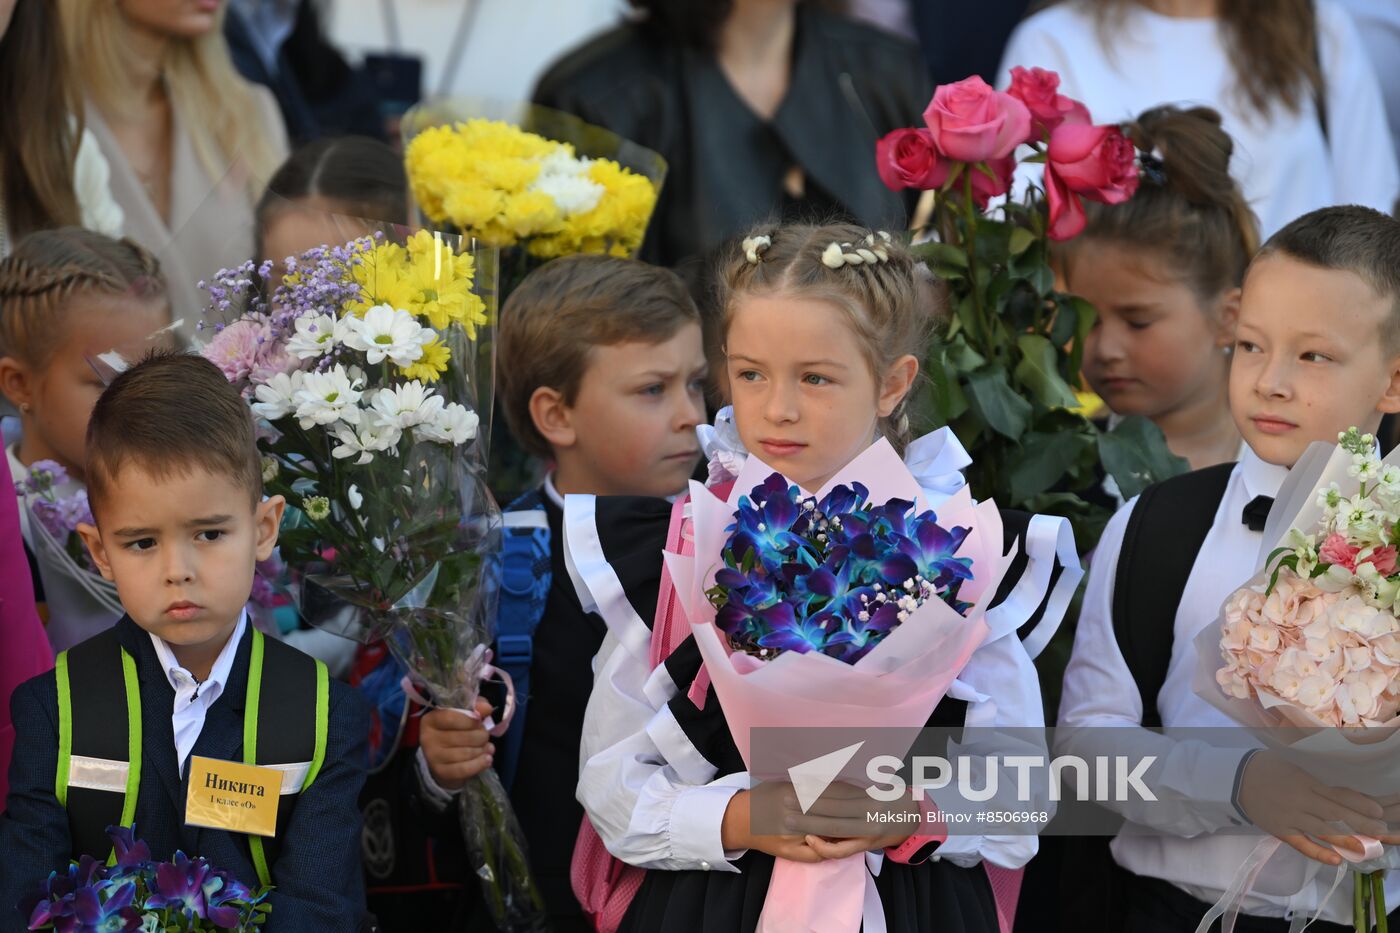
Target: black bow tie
(1256,513)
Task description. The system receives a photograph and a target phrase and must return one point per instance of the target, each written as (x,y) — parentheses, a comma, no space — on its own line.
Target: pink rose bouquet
(1006,366)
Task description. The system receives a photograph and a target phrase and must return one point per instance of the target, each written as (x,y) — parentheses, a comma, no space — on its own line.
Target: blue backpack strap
(524,570)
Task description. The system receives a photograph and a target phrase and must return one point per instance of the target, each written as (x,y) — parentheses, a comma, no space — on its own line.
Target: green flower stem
(1378,899)
(970,244)
(1358,902)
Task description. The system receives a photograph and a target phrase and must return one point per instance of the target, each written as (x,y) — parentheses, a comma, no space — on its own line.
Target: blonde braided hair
(889,305)
(50,267)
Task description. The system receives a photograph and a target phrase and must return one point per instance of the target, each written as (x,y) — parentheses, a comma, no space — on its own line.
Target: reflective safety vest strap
(284,687)
(99,754)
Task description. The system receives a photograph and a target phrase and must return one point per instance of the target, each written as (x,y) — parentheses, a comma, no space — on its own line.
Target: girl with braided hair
(68,297)
(822,329)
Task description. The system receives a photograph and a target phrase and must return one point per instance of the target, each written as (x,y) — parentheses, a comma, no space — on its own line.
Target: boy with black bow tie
(1317,351)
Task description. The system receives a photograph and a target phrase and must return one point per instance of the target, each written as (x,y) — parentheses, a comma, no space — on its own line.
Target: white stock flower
(1330,498)
(1365,467)
(364,440)
(276,398)
(352,495)
(388,332)
(315,336)
(407,405)
(454,425)
(328,397)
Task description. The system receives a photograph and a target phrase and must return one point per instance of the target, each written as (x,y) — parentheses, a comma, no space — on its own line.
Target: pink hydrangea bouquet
(1311,645)
(1320,642)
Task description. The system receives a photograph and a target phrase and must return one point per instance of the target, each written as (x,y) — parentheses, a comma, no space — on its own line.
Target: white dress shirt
(194,697)
(657,803)
(1176,838)
(1282,161)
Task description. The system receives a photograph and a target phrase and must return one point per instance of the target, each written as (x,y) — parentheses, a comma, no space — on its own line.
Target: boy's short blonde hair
(1349,238)
(562,310)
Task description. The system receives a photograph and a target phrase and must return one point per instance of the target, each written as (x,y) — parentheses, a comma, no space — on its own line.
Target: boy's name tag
(234,796)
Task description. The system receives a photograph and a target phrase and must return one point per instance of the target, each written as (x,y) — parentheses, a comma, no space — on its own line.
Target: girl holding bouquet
(67,297)
(821,330)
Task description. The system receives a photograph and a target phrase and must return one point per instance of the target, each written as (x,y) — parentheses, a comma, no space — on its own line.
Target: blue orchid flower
(131,852)
(844,500)
(770,522)
(219,890)
(91,914)
(816,633)
(179,885)
(931,552)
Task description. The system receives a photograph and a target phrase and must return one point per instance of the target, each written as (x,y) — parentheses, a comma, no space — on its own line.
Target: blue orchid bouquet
(833,576)
(137,893)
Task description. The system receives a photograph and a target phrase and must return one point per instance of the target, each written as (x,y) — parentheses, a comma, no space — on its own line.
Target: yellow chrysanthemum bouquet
(530,177)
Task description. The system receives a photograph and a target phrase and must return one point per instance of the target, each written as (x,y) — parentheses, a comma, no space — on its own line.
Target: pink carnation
(1384,560)
(1336,550)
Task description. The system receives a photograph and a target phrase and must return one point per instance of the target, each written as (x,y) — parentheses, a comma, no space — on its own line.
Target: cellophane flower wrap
(1306,654)
(365,367)
(796,645)
(138,893)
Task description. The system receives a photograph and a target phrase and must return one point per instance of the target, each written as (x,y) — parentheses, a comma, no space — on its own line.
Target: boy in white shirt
(1317,351)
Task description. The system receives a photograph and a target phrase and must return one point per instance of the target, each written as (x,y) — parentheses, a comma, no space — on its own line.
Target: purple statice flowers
(252,321)
(833,576)
(139,893)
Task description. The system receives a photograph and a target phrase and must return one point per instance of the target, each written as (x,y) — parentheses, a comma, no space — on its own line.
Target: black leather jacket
(851,84)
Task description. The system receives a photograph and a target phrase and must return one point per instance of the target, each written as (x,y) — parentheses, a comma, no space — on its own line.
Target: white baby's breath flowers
(454,425)
(328,397)
(388,333)
(276,398)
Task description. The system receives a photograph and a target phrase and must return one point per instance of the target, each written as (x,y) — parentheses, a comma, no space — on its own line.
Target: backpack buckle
(515,650)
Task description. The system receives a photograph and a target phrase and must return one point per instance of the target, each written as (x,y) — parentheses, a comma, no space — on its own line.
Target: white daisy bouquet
(363,365)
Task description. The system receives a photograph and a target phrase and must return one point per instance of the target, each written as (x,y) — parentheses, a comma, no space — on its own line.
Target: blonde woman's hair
(49,269)
(212,99)
(888,299)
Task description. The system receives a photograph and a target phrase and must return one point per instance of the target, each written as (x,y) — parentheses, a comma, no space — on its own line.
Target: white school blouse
(1196,781)
(657,803)
(1282,161)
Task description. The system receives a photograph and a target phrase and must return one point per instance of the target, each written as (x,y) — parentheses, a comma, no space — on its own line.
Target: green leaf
(1065,327)
(1087,315)
(994,402)
(1043,462)
(1135,454)
(944,398)
(941,254)
(1021,240)
(963,358)
(1039,372)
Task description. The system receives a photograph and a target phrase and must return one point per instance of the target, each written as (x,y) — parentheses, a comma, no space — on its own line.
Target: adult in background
(1290,78)
(1378,21)
(280,44)
(52,173)
(190,142)
(760,107)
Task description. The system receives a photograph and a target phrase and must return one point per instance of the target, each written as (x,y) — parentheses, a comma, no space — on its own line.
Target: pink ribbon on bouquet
(834,896)
(489,672)
(1228,907)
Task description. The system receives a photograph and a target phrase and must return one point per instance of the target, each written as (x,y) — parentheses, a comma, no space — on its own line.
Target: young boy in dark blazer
(175,483)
